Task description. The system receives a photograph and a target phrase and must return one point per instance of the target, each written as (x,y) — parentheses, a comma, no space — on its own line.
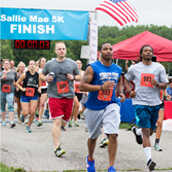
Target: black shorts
(79,96)
(18,94)
(43,90)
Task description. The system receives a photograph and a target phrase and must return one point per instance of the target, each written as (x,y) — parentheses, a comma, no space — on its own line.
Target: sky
(155,12)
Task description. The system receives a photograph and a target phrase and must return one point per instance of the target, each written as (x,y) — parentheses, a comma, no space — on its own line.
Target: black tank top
(31,81)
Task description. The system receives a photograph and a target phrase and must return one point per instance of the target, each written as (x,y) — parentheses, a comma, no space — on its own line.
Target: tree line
(111,34)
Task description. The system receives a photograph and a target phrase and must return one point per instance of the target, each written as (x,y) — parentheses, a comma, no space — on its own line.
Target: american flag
(119,10)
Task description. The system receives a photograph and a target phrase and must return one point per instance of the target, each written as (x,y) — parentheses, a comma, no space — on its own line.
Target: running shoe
(76,124)
(59,152)
(38,123)
(46,114)
(111,169)
(157,147)
(22,118)
(63,128)
(70,124)
(90,165)
(28,129)
(104,143)
(151,165)
(12,124)
(139,139)
(4,123)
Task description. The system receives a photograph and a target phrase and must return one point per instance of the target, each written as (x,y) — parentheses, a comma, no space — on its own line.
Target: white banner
(93,40)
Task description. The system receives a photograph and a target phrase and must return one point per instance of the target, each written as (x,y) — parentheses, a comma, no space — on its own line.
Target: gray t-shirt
(141,75)
(61,87)
(8,82)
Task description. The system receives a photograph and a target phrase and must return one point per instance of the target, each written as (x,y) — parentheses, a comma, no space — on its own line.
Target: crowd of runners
(60,90)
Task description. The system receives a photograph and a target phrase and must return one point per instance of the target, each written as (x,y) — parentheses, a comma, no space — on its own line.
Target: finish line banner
(41,24)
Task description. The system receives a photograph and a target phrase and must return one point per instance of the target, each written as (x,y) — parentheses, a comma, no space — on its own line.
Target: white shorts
(108,118)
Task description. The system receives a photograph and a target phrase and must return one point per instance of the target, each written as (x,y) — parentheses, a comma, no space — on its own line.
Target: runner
(149,77)
(7,79)
(77,98)
(60,73)
(20,70)
(100,80)
(43,95)
(30,89)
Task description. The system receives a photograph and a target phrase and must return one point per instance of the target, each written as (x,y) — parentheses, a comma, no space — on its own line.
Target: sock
(156,141)
(138,131)
(147,151)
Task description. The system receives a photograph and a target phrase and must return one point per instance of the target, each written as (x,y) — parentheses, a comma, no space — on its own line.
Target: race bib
(62,87)
(76,86)
(105,95)
(146,79)
(43,83)
(30,92)
(6,88)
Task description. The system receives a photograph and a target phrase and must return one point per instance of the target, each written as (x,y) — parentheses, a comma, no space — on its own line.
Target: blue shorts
(146,116)
(28,99)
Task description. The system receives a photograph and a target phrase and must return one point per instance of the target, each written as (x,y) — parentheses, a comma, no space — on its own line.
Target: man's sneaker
(139,139)
(22,118)
(76,124)
(151,165)
(157,147)
(12,124)
(59,152)
(104,142)
(38,123)
(4,123)
(111,169)
(63,128)
(90,165)
(28,129)
(46,114)
(70,124)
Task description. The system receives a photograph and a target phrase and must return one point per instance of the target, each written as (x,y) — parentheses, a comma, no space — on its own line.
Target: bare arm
(22,77)
(86,80)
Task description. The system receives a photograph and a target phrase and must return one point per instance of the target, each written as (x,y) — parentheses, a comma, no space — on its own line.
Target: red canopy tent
(129,48)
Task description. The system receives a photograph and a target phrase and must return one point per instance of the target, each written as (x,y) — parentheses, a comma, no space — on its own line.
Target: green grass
(125,125)
(4,168)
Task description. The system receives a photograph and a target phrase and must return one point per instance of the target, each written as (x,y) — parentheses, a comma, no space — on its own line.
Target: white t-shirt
(141,75)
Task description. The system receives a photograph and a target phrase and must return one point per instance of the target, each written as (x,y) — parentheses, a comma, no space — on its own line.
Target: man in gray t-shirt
(60,73)
(149,77)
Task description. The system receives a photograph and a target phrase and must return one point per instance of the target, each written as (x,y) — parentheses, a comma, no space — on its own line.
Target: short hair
(141,49)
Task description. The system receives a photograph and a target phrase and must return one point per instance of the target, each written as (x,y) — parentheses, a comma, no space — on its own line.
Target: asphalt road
(34,152)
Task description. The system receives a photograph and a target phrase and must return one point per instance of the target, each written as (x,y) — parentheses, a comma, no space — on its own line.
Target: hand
(39,90)
(23,89)
(132,94)
(4,76)
(122,97)
(49,78)
(107,85)
(168,97)
(70,76)
(154,82)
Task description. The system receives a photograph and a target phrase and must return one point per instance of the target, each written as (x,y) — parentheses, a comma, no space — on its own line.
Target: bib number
(62,87)
(43,83)
(146,80)
(6,88)
(30,92)
(105,95)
